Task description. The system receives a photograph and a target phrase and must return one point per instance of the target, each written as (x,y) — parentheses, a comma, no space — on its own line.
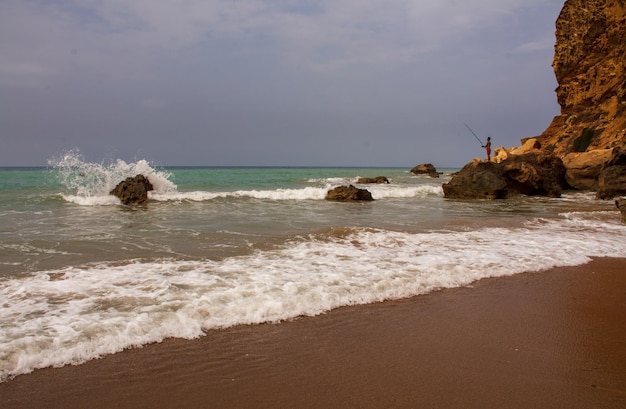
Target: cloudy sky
(273,82)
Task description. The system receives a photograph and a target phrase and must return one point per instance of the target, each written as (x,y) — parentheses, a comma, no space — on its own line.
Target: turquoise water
(82,276)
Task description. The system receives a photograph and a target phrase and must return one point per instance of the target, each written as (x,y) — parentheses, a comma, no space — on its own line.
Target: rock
(611,182)
(583,168)
(535,173)
(590,69)
(612,178)
(528,145)
(426,169)
(477,180)
(621,205)
(348,193)
(133,190)
(377,179)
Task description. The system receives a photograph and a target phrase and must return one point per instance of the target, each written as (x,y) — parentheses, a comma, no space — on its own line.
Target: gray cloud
(253,82)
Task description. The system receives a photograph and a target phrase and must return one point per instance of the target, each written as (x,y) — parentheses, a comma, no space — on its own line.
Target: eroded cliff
(590,67)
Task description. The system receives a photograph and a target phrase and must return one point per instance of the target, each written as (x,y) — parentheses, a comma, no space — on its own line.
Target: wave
(71,315)
(307,193)
(88,183)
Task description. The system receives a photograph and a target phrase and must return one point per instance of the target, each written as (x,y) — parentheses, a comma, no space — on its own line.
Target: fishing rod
(475,136)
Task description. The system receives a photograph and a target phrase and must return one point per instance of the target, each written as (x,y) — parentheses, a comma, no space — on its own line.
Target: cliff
(590,67)
(584,147)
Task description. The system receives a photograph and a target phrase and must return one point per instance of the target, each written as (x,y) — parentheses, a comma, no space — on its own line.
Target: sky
(273,82)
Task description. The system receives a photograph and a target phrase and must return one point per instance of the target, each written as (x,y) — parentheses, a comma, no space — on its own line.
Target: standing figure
(488,147)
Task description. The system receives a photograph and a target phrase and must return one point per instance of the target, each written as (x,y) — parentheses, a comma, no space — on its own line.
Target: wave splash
(89,183)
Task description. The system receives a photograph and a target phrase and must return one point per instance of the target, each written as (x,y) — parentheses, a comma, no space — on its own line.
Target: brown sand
(555,339)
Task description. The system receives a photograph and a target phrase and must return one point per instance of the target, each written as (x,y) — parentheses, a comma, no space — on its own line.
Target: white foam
(52,318)
(89,184)
(307,193)
(396,191)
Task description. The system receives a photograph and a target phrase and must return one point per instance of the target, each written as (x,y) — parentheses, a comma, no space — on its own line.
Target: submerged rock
(348,194)
(377,179)
(133,191)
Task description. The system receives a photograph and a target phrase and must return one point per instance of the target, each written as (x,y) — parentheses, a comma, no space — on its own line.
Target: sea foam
(71,315)
(88,183)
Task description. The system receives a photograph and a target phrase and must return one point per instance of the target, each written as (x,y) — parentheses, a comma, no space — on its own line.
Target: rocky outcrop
(583,168)
(133,191)
(426,169)
(348,194)
(477,180)
(533,173)
(377,179)
(590,68)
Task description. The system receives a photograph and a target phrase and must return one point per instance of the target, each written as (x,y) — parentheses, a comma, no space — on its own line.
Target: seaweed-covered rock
(377,179)
(133,191)
(348,194)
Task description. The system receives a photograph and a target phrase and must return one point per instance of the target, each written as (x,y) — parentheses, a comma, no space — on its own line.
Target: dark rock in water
(426,169)
(377,179)
(133,190)
(348,193)
(621,205)
(534,173)
(477,180)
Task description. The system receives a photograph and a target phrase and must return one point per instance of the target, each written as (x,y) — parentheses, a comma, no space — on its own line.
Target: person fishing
(487,146)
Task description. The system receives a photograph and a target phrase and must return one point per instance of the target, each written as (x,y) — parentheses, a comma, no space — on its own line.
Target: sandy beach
(555,339)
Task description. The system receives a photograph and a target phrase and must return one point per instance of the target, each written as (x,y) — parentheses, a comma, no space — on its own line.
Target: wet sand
(555,339)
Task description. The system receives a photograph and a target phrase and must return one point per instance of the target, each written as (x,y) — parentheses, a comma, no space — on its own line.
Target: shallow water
(82,276)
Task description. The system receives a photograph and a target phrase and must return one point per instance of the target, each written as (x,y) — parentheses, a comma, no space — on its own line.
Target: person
(488,147)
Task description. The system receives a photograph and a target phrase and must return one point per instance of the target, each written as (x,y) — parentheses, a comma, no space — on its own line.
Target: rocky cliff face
(584,147)
(590,67)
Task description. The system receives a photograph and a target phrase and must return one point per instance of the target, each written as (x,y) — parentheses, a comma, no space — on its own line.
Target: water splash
(88,183)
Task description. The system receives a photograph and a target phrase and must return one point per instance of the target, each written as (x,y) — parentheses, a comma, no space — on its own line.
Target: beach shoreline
(553,339)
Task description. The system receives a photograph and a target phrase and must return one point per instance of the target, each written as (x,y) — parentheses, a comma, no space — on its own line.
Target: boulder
(612,178)
(534,173)
(348,194)
(477,180)
(426,169)
(377,179)
(621,205)
(583,168)
(611,182)
(528,145)
(133,191)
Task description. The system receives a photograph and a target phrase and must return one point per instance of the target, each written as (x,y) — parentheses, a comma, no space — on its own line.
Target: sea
(82,276)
